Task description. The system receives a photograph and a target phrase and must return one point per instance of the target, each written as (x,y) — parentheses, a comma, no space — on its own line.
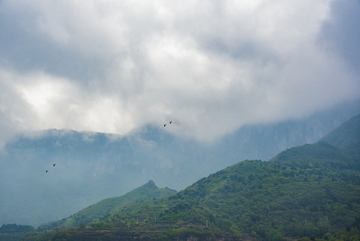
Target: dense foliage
(346,137)
(14,232)
(318,155)
(14,228)
(259,197)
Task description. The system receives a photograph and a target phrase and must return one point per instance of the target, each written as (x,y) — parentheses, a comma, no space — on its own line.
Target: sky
(209,66)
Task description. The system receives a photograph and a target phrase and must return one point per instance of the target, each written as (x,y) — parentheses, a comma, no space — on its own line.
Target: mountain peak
(150,185)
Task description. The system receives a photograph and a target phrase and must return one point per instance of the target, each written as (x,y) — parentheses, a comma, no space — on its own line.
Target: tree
(275,235)
(82,226)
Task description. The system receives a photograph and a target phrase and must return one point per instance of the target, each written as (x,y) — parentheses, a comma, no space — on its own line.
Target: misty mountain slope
(255,196)
(88,164)
(346,136)
(339,149)
(263,142)
(104,208)
(315,155)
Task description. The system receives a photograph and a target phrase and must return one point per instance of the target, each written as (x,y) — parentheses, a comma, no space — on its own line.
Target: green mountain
(308,191)
(339,149)
(104,208)
(346,137)
(304,191)
(316,155)
(255,196)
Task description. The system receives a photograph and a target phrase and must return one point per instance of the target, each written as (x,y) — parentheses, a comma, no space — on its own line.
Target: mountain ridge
(105,207)
(340,148)
(346,136)
(87,164)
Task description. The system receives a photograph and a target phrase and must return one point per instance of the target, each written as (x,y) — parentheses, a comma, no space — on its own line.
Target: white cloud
(210,66)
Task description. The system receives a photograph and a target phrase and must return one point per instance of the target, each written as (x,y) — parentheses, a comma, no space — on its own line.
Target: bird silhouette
(54,164)
(47,171)
(170,122)
(164,125)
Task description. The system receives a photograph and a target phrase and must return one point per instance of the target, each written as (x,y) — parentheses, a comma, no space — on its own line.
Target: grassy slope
(104,208)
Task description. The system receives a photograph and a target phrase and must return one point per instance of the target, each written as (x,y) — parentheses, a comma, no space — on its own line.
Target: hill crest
(105,207)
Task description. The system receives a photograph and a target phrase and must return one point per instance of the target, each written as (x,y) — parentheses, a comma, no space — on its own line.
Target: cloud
(210,66)
(341,33)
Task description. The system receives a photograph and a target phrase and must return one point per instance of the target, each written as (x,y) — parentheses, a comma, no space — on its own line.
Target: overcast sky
(210,66)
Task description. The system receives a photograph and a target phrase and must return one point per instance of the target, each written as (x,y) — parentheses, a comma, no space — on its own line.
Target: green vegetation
(316,155)
(14,228)
(340,149)
(347,137)
(135,232)
(14,232)
(260,198)
(104,208)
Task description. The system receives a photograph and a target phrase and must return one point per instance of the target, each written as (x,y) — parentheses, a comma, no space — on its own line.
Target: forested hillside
(339,149)
(258,197)
(346,137)
(304,191)
(104,208)
(263,199)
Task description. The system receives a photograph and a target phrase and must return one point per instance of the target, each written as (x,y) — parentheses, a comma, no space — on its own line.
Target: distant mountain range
(309,191)
(93,166)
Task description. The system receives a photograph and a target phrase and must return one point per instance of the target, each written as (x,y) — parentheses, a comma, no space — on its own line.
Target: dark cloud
(24,49)
(341,32)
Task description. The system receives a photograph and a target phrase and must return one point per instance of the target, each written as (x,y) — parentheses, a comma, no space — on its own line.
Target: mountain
(316,155)
(346,136)
(104,208)
(93,166)
(258,197)
(306,191)
(261,199)
(339,149)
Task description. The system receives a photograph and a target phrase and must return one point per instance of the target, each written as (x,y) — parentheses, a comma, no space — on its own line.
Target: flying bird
(164,125)
(170,122)
(47,171)
(54,164)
